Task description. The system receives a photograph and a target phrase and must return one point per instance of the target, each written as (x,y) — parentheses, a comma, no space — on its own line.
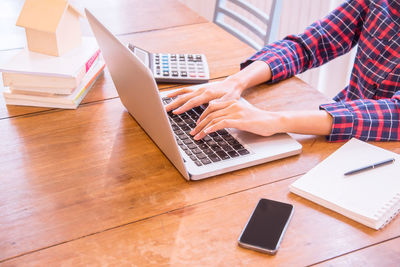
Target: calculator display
(141,55)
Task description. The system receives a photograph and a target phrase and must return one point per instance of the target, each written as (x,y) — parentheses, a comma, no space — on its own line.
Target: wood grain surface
(205,234)
(88,187)
(72,174)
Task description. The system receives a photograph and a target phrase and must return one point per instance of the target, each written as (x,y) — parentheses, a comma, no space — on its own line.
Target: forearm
(256,73)
(317,122)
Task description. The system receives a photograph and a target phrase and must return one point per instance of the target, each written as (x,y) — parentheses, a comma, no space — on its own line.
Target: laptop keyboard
(215,147)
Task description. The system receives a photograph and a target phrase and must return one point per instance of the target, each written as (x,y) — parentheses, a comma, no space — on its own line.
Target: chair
(247,22)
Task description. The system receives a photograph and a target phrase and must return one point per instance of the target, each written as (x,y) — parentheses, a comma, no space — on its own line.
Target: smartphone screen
(266,226)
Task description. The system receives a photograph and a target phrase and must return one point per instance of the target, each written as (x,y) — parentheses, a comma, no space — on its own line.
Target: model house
(52,26)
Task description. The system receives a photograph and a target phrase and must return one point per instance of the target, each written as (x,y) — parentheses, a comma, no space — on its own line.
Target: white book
(71,101)
(50,86)
(30,69)
(370,197)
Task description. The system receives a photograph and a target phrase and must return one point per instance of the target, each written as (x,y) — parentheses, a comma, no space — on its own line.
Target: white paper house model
(51,26)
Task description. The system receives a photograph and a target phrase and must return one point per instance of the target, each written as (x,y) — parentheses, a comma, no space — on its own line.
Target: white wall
(297,15)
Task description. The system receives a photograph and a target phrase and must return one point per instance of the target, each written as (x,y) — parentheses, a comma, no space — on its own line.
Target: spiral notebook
(371,197)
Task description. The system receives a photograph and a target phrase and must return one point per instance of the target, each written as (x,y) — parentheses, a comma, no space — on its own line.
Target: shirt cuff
(280,66)
(343,121)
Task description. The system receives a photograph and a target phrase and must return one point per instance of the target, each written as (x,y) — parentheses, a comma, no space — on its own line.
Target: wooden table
(89,187)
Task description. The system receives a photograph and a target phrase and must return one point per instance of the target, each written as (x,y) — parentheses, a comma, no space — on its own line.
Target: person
(367,108)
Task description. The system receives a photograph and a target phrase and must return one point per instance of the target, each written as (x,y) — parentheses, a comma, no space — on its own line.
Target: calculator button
(165,73)
(183,73)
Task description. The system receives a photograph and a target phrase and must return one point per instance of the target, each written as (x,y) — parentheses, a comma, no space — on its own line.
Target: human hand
(236,114)
(190,97)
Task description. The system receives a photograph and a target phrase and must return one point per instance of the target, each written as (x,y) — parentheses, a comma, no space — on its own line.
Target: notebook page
(366,193)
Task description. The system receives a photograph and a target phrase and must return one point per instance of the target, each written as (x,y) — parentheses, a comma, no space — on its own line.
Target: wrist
(254,74)
(236,83)
(306,122)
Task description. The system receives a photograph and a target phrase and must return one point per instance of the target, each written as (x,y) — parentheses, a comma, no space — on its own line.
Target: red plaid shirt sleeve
(369,107)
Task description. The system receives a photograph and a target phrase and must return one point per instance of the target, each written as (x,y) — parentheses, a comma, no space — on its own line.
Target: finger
(214,106)
(180,100)
(192,102)
(180,92)
(215,125)
(207,120)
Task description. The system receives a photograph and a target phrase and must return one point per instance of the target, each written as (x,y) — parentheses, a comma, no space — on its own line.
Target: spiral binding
(392,203)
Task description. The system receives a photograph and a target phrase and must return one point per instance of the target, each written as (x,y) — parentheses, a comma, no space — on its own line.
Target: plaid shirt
(369,107)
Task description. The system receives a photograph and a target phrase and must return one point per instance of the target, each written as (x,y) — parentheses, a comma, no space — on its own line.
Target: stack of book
(33,79)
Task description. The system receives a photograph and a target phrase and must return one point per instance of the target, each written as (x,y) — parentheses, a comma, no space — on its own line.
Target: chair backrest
(247,22)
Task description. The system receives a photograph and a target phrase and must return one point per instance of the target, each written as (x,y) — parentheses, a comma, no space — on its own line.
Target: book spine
(91,60)
(86,67)
(78,99)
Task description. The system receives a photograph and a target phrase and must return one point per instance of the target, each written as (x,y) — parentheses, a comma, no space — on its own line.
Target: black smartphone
(266,226)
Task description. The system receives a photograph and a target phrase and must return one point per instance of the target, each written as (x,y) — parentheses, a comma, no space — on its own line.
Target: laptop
(223,151)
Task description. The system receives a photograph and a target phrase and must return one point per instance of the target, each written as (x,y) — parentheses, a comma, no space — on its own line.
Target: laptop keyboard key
(187,141)
(218,139)
(196,151)
(222,155)
(205,161)
(201,156)
(192,146)
(243,152)
(233,154)
(238,147)
(223,132)
(208,151)
(226,148)
(214,158)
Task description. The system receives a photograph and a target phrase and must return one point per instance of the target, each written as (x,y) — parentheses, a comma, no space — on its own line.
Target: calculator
(174,68)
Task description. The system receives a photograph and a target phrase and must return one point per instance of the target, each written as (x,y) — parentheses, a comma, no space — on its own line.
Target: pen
(372,166)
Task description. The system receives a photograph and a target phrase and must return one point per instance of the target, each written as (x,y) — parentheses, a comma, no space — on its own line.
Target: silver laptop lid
(138,91)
